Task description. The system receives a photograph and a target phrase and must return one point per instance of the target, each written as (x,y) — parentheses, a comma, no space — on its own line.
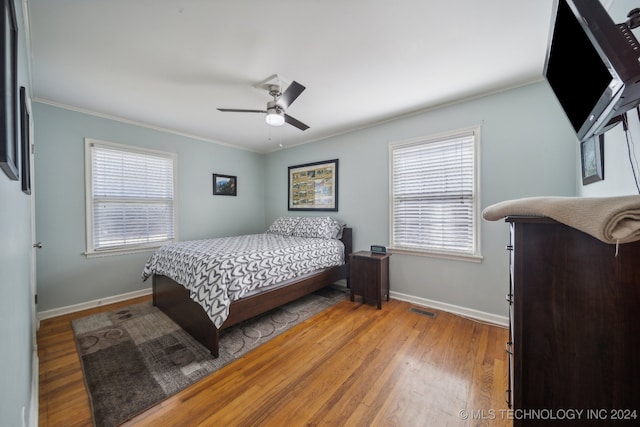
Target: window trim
(91,252)
(476,256)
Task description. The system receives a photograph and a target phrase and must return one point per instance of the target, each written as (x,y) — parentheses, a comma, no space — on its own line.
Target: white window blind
(131,194)
(433,206)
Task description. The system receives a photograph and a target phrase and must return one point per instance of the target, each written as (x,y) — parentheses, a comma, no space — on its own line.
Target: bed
(206,286)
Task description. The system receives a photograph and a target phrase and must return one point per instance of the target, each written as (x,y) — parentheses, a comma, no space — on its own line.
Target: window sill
(443,255)
(123,251)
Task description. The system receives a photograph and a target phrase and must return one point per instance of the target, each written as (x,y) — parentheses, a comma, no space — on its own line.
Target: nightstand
(369,276)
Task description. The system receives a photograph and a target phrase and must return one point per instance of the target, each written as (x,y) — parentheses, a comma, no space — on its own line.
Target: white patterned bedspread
(219,271)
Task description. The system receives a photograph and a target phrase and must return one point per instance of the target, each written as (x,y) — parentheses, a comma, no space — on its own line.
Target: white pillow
(320,227)
(283,225)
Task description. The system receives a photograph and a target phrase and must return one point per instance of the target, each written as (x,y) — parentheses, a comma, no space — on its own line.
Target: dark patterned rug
(135,357)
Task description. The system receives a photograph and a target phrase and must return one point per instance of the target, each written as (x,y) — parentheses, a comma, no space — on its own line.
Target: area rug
(135,357)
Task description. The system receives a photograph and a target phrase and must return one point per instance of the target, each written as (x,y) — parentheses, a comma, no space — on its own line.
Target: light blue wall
(527,149)
(16,326)
(618,174)
(64,275)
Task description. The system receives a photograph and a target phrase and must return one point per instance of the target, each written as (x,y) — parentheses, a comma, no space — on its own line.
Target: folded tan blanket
(609,219)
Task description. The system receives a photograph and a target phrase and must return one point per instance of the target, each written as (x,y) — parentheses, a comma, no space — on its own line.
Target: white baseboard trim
(47,314)
(35,381)
(455,309)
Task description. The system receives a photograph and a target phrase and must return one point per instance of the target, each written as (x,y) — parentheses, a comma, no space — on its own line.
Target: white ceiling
(171,63)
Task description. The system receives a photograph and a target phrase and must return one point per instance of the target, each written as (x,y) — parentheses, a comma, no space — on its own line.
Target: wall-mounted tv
(592,65)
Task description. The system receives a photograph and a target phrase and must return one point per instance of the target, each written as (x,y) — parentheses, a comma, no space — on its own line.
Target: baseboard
(341,283)
(47,314)
(35,381)
(455,309)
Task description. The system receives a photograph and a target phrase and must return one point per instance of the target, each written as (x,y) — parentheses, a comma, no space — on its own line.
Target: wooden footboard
(173,299)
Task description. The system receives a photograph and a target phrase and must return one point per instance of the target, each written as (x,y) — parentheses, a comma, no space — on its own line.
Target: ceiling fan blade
(236,110)
(295,122)
(293,91)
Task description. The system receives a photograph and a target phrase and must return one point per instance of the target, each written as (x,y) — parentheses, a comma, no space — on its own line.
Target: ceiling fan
(275,110)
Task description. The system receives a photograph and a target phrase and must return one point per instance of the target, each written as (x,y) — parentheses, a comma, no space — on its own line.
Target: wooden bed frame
(173,299)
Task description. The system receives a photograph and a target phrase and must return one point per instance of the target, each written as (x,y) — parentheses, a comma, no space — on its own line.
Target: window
(130,198)
(433,190)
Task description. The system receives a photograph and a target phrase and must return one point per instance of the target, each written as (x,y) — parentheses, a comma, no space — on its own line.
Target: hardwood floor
(351,365)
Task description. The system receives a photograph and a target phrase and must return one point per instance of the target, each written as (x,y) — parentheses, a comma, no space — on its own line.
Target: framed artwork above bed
(313,186)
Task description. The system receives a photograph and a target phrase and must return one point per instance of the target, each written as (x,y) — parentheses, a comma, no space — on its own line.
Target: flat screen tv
(592,65)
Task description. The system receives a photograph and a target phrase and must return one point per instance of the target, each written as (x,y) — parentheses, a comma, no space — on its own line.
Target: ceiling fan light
(275,119)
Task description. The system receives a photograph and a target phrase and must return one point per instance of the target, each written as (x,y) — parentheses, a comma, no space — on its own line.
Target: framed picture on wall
(25,128)
(225,185)
(314,186)
(592,158)
(9,151)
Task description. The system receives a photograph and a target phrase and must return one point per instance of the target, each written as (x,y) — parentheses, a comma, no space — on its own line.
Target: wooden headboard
(347,239)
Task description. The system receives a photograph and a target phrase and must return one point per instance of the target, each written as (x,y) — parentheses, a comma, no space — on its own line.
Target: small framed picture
(592,157)
(25,126)
(224,185)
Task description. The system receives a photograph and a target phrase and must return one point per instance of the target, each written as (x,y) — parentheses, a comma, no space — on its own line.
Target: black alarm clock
(378,249)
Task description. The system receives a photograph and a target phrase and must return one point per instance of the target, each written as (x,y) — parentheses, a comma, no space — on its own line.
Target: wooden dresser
(574,308)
